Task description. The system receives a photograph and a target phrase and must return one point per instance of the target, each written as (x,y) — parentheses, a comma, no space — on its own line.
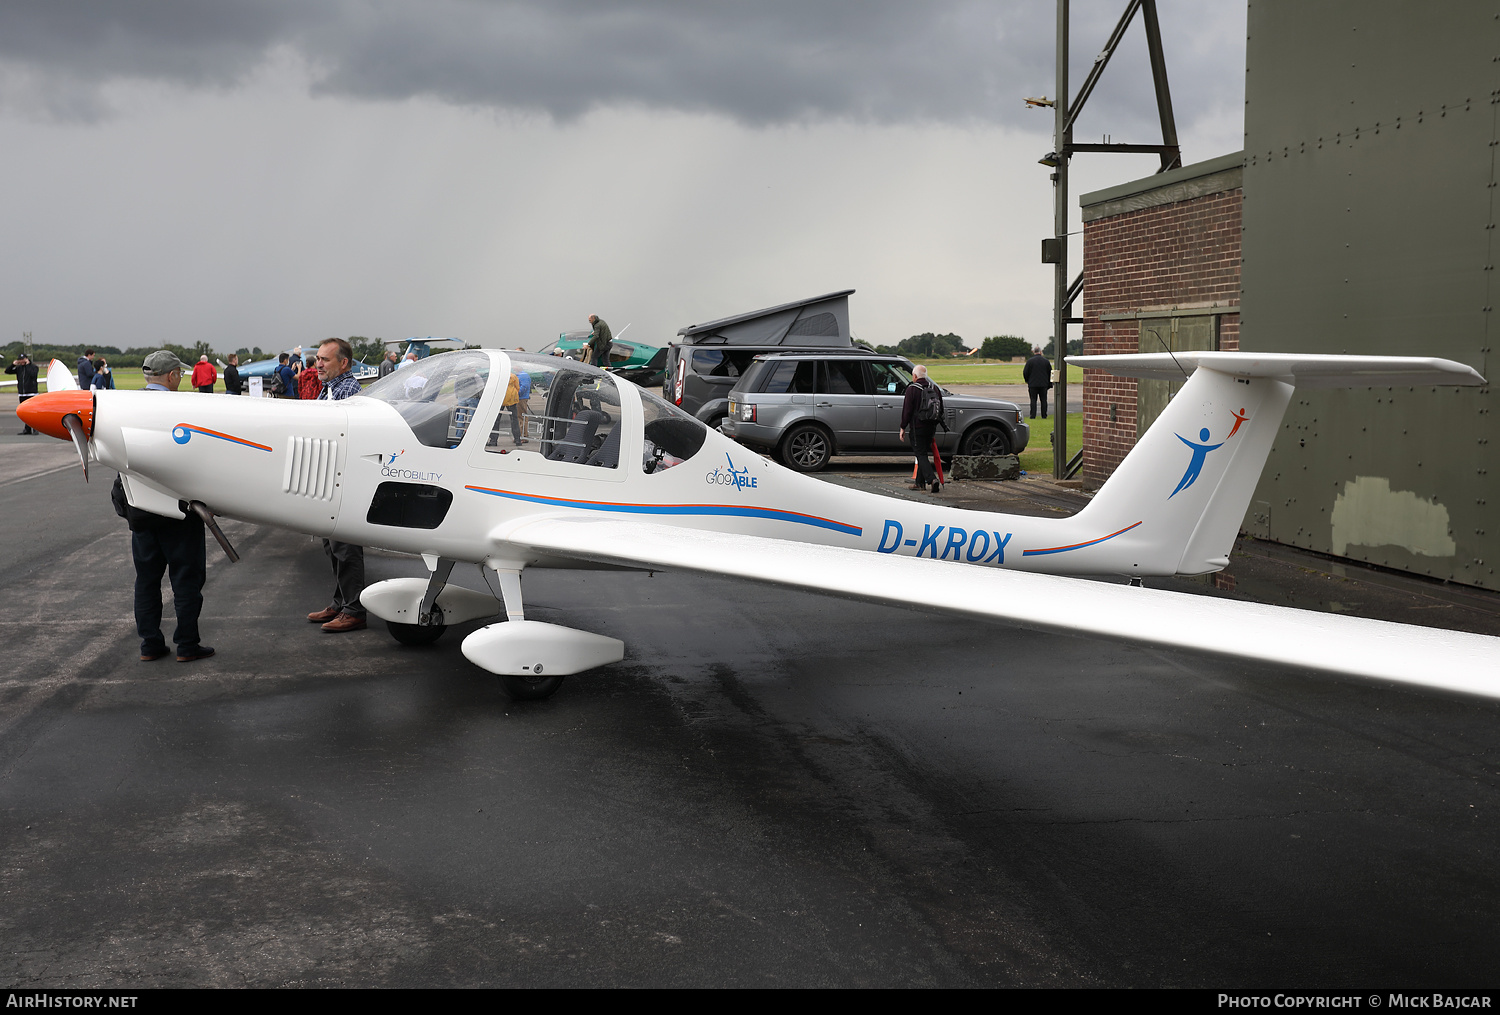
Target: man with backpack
(921,414)
(283,380)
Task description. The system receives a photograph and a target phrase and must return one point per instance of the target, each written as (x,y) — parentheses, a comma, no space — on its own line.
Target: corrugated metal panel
(311,467)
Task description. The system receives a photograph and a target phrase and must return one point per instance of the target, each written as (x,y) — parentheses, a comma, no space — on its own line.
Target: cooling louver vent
(311,464)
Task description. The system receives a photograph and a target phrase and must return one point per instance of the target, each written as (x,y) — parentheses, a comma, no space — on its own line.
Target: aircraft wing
(1426,657)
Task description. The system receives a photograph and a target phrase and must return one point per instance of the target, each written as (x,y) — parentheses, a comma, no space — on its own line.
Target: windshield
(436,396)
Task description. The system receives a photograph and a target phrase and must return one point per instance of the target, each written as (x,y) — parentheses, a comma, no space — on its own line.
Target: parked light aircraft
(600,473)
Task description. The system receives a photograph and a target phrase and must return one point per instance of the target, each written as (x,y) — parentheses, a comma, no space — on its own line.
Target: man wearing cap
(335,358)
(25,372)
(161,545)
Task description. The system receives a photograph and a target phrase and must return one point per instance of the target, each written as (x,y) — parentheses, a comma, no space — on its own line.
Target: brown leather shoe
(152,657)
(192,656)
(324,615)
(344,622)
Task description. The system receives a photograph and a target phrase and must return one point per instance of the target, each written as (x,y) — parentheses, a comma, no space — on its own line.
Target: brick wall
(1185,254)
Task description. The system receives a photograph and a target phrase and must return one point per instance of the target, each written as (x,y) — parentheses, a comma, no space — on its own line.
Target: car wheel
(986,441)
(806,448)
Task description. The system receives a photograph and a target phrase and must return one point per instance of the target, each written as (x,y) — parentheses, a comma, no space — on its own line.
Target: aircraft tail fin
(1190,477)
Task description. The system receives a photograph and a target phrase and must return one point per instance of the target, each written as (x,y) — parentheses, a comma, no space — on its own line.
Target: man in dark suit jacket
(1037,373)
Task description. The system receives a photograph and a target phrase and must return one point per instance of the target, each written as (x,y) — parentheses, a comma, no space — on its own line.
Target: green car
(635,361)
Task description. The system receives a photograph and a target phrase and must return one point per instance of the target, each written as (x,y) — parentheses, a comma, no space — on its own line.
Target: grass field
(128,378)
(945,371)
(1037,458)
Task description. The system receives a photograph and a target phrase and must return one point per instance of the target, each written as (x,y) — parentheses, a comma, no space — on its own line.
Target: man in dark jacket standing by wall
(25,372)
(335,358)
(1037,373)
(599,342)
(923,431)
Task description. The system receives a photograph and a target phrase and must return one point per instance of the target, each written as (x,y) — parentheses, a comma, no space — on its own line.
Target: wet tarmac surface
(773,788)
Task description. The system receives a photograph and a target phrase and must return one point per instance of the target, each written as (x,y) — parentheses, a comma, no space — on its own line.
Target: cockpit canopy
(566,411)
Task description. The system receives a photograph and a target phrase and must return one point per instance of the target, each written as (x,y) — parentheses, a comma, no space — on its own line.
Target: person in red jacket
(309,384)
(204,375)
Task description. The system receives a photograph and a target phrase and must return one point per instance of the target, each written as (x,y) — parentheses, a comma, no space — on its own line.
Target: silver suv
(807,407)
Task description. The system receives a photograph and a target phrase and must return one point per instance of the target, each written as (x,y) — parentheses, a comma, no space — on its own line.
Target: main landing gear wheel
(529,688)
(415,634)
(806,448)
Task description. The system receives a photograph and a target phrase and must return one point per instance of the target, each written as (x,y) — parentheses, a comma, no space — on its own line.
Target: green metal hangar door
(1369,227)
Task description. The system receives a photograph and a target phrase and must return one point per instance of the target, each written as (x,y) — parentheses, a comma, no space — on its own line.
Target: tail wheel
(530,688)
(415,634)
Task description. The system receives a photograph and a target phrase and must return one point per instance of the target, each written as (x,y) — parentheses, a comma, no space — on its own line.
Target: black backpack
(930,408)
(278,386)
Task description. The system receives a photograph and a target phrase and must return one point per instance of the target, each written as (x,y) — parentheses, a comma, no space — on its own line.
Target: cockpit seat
(608,455)
(578,443)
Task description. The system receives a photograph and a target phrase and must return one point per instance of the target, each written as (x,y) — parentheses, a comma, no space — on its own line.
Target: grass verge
(1037,458)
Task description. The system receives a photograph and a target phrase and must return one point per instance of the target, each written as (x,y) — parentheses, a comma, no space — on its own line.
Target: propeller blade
(80,440)
(60,378)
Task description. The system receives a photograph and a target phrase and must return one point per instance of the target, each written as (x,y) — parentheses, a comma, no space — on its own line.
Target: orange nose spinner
(45,413)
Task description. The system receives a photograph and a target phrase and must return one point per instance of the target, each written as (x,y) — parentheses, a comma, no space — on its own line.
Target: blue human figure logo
(1200,452)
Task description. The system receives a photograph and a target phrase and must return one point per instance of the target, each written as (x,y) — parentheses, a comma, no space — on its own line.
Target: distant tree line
(1004,347)
(927,345)
(133,357)
(1075,348)
(930,345)
(367,349)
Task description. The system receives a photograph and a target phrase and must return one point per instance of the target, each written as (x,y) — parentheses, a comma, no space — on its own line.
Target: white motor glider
(594,472)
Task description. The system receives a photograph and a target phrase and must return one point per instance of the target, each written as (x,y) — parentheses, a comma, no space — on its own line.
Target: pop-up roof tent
(817,321)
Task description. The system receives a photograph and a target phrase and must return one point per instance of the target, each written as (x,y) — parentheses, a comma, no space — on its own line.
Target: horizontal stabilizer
(1309,370)
(1449,660)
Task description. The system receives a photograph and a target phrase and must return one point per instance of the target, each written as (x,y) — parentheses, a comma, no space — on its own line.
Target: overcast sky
(270,172)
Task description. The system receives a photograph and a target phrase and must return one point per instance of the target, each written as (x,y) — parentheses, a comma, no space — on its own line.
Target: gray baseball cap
(161,363)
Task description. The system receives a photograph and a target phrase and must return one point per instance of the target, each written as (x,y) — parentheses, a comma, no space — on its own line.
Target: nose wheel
(415,634)
(528,688)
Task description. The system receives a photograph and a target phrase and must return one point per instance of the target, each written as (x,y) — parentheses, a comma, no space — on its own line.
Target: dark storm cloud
(772,61)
